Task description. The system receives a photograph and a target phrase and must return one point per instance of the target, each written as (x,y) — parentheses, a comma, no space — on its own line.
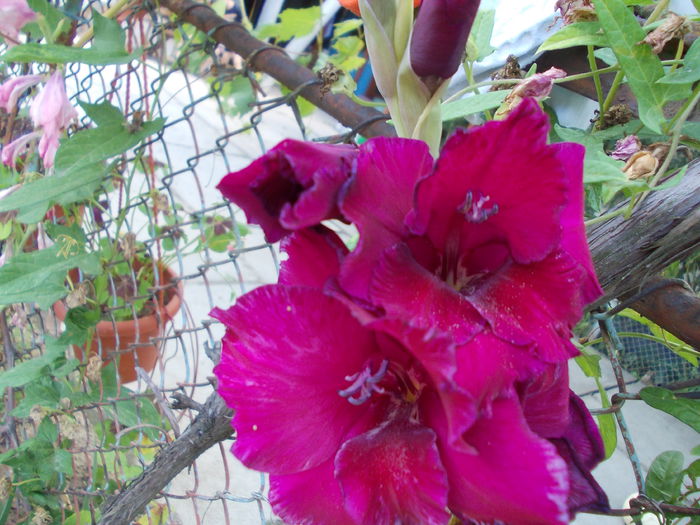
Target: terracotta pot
(129,342)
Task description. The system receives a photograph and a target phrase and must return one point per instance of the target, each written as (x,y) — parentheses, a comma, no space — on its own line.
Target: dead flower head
(41,516)
(93,368)
(641,165)
(576,11)
(672,26)
(127,245)
(78,296)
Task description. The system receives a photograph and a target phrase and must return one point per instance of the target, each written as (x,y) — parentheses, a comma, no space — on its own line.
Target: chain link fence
(160,201)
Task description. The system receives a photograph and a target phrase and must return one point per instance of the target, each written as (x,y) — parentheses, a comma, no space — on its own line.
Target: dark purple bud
(440,36)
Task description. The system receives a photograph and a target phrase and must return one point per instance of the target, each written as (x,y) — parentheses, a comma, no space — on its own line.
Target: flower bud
(12,89)
(440,36)
(52,111)
(576,11)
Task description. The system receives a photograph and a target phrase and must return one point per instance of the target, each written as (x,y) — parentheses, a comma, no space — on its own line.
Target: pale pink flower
(11,152)
(626,147)
(14,14)
(12,89)
(52,111)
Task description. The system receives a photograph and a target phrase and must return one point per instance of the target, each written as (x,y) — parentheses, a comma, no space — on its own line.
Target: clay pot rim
(163,313)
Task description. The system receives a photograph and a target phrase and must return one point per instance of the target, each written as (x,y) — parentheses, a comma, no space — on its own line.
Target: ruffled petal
(488,366)
(533,305)
(498,180)
(281,372)
(292,186)
(584,491)
(435,353)
(583,434)
(574,240)
(545,401)
(312,497)
(393,474)
(513,476)
(409,292)
(377,199)
(313,256)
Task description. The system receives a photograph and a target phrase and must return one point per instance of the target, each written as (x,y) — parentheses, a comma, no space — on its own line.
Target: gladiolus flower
(53,112)
(12,89)
(492,239)
(380,400)
(440,36)
(14,14)
(292,186)
(429,363)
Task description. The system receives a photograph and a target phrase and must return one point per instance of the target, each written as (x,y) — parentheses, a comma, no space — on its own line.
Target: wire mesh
(161,203)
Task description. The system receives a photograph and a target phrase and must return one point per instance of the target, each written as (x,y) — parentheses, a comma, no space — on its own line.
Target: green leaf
(107,48)
(481,32)
(34,199)
(670,341)
(346,26)
(685,410)
(474,104)
(38,277)
(31,369)
(85,517)
(79,171)
(665,475)
(43,391)
(52,15)
(293,23)
(690,72)
(640,65)
(577,34)
(90,146)
(103,113)
(589,362)
(606,423)
(63,461)
(47,431)
(606,55)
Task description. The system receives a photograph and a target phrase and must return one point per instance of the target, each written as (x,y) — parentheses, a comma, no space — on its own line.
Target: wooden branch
(628,254)
(212,424)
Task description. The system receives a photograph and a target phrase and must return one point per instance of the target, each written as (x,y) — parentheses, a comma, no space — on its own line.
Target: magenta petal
(535,304)
(514,476)
(377,199)
(281,372)
(583,434)
(313,256)
(545,401)
(498,180)
(584,493)
(312,497)
(488,366)
(435,352)
(292,186)
(574,240)
(409,292)
(393,474)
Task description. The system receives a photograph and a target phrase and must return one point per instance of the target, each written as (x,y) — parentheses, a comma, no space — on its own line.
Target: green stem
(487,83)
(604,217)
(657,12)
(366,103)
(596,77)
(613,91)
(113,11)
(679,55)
